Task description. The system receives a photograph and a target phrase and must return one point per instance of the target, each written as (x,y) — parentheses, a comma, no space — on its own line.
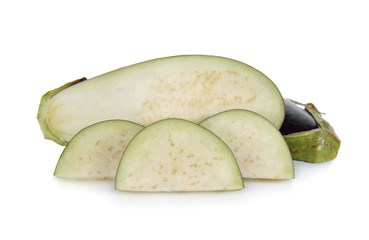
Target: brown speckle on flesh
(238,99)
(251,135)
(205,92)
(190,155)
(251,99)
(170,140)
(117,154)
(248,159)
(194,183)
(236,149)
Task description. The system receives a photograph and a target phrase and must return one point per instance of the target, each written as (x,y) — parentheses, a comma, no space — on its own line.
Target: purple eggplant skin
(296,119)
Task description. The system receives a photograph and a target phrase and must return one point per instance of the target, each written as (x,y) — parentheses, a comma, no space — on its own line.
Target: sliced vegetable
(95,152)
(177,155)
(257,144)
(189,87)
(314,145)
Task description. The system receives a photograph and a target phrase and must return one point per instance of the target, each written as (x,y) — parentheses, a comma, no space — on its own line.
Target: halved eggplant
(191,87)
(177,155)
(95,151)
(306,142)
(259,148)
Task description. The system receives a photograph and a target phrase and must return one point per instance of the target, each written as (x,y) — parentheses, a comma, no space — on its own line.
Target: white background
(315,51)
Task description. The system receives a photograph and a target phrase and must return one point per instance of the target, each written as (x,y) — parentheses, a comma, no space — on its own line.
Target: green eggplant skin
(316,145)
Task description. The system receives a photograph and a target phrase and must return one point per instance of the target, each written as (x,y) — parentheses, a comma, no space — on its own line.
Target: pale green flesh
(95,152)
(258,146)
(187,87)
(177,155)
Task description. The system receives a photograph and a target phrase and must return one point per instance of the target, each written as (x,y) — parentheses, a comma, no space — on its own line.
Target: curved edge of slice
(95,151)
(177,155)
(44,108)
(258,146)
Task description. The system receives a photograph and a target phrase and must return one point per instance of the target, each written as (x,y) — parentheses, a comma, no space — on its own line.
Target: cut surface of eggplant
(177,155)
(95,151)
(259,148)
(191,87)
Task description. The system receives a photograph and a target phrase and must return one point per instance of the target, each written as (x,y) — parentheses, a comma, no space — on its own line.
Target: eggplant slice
(191,87)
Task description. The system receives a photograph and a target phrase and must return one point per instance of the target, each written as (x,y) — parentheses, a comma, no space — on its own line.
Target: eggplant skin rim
(41,115)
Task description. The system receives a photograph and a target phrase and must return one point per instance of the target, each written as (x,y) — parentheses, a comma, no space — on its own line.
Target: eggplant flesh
(296,119)
(192,87)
